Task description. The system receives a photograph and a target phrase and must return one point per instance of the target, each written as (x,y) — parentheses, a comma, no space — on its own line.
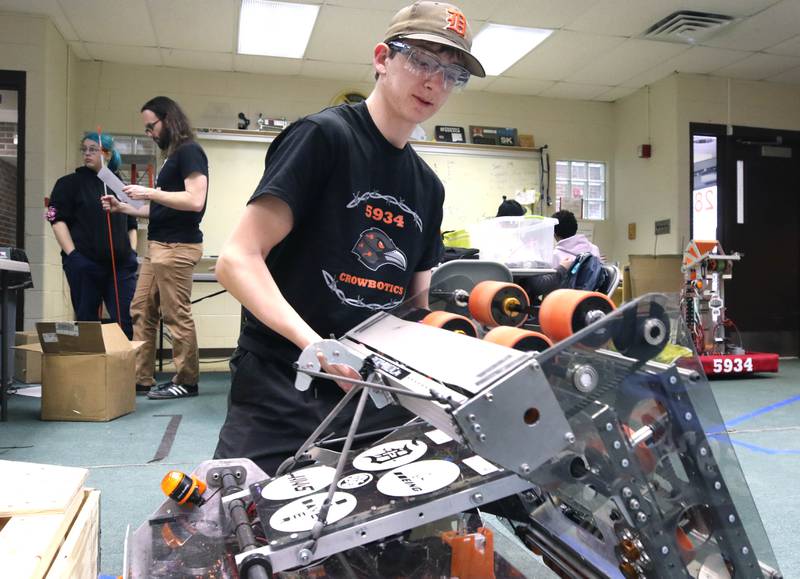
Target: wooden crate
(49,522)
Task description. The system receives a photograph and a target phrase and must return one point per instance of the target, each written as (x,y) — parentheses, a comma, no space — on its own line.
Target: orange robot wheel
(518,339)
(566,311)
(451,322)
(497,303)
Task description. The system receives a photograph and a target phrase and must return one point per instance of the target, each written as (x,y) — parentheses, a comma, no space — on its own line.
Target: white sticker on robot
(438,437)
(419,478)
(299,483)
(390,455)
(480,464)
(301,514)
(355,481)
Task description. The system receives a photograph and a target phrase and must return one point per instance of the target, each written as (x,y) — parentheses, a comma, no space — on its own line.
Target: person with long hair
(175,209)
(81,228)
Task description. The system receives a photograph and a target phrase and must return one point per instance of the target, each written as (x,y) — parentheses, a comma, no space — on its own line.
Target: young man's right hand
(339,370)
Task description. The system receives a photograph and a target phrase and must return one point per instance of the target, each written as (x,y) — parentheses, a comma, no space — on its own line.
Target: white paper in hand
(116,186)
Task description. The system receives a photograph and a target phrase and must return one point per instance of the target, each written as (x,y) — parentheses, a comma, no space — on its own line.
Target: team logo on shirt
(375,249)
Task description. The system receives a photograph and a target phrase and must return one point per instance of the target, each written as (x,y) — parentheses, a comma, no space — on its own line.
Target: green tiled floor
(117,453)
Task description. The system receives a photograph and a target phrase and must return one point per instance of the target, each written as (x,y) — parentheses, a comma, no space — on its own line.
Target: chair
(612,279)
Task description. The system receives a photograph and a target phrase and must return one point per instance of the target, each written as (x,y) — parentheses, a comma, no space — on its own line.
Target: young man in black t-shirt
(344,223)
(175,208)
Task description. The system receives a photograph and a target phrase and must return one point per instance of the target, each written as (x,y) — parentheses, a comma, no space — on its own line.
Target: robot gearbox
(606,460)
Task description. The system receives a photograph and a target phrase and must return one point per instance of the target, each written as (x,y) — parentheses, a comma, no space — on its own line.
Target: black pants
(92,283)
(268,418)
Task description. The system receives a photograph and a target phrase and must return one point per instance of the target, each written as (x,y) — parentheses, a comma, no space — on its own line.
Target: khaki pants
(165,284)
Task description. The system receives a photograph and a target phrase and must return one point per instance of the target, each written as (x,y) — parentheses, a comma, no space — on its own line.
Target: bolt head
(482,437)
(627,492)
(617,444)
(703,451)
(625,463)
(472,417)
(489,396)
(476,427)
(634,504)
(641,517)
(524,467)
(717,485)
(609,426)
(688,416)
(304,556)
(665,550)
(570,437)
(673,380)
(731,519)
(745,550)
(477,498)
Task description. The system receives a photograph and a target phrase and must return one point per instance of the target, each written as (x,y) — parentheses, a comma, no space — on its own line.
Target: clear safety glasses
(424,63)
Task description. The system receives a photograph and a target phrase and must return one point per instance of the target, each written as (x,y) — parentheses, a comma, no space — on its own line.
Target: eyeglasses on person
(91,150)
(148,127)
(423,62)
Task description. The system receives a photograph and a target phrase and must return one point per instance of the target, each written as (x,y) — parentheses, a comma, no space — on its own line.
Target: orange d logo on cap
(456,21)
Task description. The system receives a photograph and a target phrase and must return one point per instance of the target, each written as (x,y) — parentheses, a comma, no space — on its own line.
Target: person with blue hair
(81,227)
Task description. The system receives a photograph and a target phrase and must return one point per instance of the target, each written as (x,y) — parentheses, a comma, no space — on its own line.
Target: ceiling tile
(335,70)
(124,54)
(267,64)
(759,66)
(569,90)
(563,53)
(184,32)
(696,60)
(623,17)
(789,47)
(353,32)
(630,58)
(125,22)
(777,23)
(525,86)
(201,59)
(615,93)
(477,83)
(790,76)
(540,13)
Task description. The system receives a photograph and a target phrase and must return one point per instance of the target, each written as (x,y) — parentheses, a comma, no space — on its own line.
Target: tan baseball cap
(436,22)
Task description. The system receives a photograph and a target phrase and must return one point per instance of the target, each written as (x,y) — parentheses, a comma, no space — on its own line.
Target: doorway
(758,216)
(12,167)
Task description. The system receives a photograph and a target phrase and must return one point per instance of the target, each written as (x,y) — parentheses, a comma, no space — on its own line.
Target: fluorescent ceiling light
(498,46)
(275,28)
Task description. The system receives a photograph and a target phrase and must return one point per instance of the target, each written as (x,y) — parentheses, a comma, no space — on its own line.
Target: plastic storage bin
(515,241)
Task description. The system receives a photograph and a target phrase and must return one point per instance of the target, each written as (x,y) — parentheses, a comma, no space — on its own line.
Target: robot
(705,268)
(605,461)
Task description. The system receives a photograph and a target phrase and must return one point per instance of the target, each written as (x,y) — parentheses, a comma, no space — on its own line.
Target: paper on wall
(116,186)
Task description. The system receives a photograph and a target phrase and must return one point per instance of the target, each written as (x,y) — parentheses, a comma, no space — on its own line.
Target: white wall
(34,45)
(659,188)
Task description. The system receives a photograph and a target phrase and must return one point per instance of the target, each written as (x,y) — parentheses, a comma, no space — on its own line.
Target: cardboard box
(493,136)
(654,273)
(27,364)
(87,371)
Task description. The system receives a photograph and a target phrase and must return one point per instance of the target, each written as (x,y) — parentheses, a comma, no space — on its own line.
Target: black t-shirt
(172,225)
(367,216)
(75,200)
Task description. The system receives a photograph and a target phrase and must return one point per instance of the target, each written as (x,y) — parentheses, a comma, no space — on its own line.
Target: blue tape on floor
(760,411)
(756,448)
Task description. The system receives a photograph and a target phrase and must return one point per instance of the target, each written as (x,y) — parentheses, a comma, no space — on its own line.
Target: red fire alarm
(645,151)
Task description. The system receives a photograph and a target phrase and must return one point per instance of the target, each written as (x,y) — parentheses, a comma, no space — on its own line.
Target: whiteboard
(475,179)
(475,182)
